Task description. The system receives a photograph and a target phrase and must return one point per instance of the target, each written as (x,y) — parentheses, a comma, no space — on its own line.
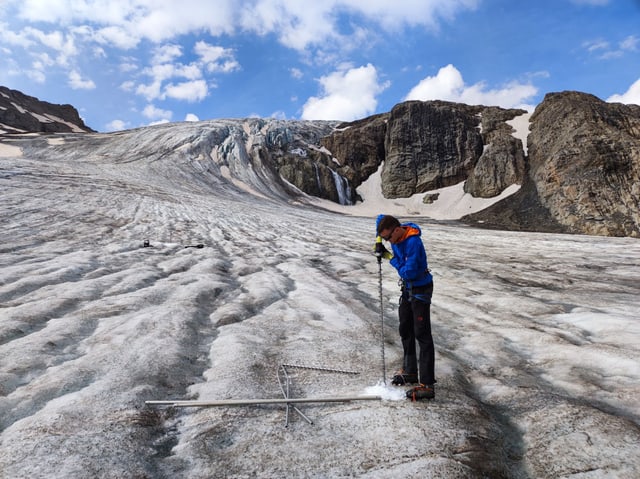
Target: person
(408,256)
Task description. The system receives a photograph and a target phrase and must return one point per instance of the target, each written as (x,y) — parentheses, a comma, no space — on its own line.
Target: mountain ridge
(578,166)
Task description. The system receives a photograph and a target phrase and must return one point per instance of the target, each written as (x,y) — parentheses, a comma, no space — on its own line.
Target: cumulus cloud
(150,91)
(631,96)
(116,125)
(190,91)
(449,85)
(347,94)
(318,29)
(116,36)
(154,113)
(300,25)
(216,58)
(166,53)
(78,83)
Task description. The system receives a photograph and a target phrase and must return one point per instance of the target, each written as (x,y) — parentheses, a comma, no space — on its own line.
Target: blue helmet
(378,219)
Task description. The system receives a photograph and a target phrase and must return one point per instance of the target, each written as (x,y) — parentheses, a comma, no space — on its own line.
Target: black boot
(421,392)
(402,378)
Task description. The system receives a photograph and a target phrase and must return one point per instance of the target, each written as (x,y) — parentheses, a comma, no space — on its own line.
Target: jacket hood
(416,229)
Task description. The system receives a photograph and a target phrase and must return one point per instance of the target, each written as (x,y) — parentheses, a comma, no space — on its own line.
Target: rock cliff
(20,113)
(429,145)
(583,170)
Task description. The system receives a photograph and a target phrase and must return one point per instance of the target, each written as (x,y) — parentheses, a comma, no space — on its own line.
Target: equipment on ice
(284,381)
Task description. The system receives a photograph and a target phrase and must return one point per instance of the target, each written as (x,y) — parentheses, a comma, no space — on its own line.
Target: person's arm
(411,266)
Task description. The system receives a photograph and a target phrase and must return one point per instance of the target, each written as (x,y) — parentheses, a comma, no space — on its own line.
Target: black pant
(415,325)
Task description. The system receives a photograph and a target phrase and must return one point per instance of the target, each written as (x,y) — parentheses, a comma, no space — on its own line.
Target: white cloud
(150,91)
(190,72)
(302,24)
(166,53)
(36,75)
(630,43)
(191,117)
(632,95)
(190,91)
(116,36)
(128,86)
(449,85)
(216,59)
(78,83)
(606,52)
(596,45)
(278,115)
(161,72)
(9,37)
(298,24)
(127,66)
(196,88)
(347,94)
(153,113)
(42,60)
(116,125)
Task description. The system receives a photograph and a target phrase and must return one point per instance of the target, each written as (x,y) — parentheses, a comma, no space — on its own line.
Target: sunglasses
(388,237)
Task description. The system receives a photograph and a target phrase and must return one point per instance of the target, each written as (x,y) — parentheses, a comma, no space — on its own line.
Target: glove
(380,250)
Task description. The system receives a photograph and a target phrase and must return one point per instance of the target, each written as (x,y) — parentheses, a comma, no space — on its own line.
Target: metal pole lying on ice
(251,402)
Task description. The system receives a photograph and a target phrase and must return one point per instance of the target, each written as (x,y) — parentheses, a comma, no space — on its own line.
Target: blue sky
(125,64)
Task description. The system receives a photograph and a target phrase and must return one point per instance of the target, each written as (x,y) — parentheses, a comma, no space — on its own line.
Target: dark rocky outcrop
(583,169)
(502,162)
(359,147)
(429,145)
(20,113)
(584,158)
(293,148)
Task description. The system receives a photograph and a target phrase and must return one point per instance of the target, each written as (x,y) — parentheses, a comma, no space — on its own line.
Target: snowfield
(537,335)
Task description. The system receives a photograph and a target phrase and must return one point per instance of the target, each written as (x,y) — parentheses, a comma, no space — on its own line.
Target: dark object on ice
(421,392)
(401,379)
(200,245)
(146,244)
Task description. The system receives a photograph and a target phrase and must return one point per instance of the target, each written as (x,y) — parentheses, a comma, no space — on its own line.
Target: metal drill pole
(321,368)
(384,368)
(251,402)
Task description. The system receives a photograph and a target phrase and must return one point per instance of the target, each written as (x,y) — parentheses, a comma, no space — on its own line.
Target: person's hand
(381,251)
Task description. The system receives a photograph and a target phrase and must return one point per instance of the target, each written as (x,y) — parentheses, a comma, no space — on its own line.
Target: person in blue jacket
(409,258)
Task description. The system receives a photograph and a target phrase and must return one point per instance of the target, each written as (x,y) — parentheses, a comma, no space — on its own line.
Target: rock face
(429,145)
(20,113)
(358,147)
(292,147)
(502,162)
(583,170)
(584,158)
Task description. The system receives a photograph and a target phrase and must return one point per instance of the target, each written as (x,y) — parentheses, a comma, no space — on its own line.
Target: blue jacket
(410,258)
